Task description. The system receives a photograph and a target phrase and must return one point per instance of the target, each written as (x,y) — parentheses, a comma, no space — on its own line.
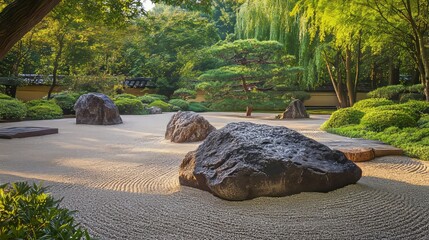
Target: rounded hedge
(182,104)
(147,99)
(158,97)
(342,117)
(372,103)
(44,111)
(197,107)
(411,96)
(414,113)
(130,106)
(161,104)
(420,106)
(66,101)
(380,120)
(391,92)
(184,93)
(301,95)
(12,109)
(229,105)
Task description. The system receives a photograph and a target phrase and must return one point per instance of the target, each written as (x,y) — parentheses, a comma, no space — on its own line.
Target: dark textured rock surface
(23,132)
(188,127)
(246,160)
(96,109)
(154,110)
(296,109)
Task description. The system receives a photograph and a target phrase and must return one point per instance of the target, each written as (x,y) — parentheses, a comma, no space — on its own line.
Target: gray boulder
(96,109)
(296,109)
(154,110)
(246,160)
(188,127)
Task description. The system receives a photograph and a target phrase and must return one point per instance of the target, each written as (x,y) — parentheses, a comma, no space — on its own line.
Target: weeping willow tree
(271,20)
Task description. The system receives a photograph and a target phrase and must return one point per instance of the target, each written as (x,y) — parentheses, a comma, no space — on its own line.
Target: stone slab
(358,154)
(23,132)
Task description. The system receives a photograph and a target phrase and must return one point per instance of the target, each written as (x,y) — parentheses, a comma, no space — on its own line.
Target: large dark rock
(188,127)
(96,109)
(296,109)
(154,110)
(246,160)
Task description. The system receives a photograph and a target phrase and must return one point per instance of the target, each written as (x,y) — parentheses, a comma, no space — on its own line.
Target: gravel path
(123,180)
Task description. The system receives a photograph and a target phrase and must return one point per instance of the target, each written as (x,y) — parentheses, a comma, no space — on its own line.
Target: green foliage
(391,92)
(417,88)
(158,97)
(130,106)
(423,121)
(182,104)
(414,113)
(301,95)
(98,84)
(371,103)
(146,99)
(380,120)
(5,97)
(342,117)
(197,107)
(12,109)
(66,101)
(411,96)
(161,104)
(229,105)
(125,95)
(184,93)
(271,105)
(28,212)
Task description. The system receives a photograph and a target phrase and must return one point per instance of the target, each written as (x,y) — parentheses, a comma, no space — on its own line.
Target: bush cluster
(130,106)
(12,109)
(343,117)
(158,97)
(380,120)
(184,93)
(5,97)
(182,104)
(43,109)
(197,107)
(229,105)
(125,96)
(28,212)
(147,99)
(161,104)
(301,95)
(371,103)
(398,92)
(66,101)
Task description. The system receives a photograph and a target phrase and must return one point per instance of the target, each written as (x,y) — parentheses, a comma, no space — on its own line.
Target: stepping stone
(358,154)
(388,151)
(23,132)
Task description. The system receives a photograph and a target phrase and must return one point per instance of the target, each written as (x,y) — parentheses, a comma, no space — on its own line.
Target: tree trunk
(393,73)
(56,64)
(424,55)
(249,108)
(337,81)
(351,91)
(18,18)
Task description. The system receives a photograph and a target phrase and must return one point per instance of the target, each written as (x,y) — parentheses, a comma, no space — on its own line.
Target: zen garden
(222,119)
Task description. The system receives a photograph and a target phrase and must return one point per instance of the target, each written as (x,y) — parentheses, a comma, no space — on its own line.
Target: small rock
(246,160)
(188,127)
(296,109)
(96,109)
(154,110)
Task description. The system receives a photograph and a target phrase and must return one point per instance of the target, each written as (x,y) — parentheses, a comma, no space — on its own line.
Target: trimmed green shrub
(342,117)
(420,106)
(197,107)
(161,104)
(38,102)
(417,88)
(130,106)
(158,96)
(5,97)
(405,97)
(147,99)
(372,103)
(301,95)
(182,104)
(423,121)
(391,92)
(228,105)
(417,150)
(184,93)
(175,108)
(125,95)
(12,109)
(380,120)
(271,105)
(28,212)
(414,113)
(44,111)
(66,101)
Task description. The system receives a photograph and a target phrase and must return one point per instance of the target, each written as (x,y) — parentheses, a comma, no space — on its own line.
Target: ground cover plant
(12,109)
(403,125)
(28,212)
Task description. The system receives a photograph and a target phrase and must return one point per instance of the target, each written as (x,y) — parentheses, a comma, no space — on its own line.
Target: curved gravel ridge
(123,181)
